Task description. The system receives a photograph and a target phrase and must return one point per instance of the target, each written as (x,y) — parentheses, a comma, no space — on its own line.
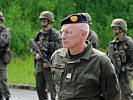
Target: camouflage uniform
(88,76)
(93,37)
(120,52)
(48,41)
(4,58)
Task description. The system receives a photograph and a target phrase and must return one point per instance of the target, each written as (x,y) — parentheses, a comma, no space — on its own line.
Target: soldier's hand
(37,56)
(46,65)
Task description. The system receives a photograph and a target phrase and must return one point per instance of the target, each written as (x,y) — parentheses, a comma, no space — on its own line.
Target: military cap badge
(74,18)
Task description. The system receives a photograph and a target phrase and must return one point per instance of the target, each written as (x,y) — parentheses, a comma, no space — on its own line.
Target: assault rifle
(41,52)
(46,71)
(114,56)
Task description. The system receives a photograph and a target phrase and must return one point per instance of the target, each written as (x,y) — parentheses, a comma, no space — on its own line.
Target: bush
(22,17)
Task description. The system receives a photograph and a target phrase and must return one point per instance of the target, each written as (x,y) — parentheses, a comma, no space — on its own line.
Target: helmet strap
(1,20)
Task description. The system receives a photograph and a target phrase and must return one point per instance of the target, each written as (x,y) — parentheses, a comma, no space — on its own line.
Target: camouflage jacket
(88,76)
(5,37)
(120,52)
(93,38)
(49,41)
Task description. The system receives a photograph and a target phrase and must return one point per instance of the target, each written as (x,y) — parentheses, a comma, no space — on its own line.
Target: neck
(77,49)
(119,36)
(47,28)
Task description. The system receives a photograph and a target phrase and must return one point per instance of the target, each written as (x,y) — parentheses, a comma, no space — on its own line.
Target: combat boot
(1,99)
(7,98)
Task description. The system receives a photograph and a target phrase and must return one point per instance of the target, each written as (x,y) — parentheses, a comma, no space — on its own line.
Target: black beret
(74,18)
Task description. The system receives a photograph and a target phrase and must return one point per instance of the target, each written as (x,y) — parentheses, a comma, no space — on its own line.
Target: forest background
(22,16)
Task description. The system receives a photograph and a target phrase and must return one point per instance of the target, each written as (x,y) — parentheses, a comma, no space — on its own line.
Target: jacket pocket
(7,56)
(57,70)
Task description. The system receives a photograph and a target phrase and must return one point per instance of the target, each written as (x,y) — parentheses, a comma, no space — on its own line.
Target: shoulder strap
(128,38)
(50,35)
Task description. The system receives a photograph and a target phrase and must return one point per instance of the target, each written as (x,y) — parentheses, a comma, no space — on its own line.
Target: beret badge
(74,18)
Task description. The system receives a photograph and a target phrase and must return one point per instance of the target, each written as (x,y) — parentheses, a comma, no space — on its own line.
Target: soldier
(120,51)
(81,72)
(48,39)
(92,37)
(5,57)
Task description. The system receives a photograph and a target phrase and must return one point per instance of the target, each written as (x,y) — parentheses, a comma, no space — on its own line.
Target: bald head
(82,26)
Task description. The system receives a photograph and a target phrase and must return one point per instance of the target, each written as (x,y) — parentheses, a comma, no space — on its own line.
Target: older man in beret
(81,72)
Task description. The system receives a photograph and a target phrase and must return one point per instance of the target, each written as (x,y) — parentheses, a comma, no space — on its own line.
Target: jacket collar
(86,54)
(121,39)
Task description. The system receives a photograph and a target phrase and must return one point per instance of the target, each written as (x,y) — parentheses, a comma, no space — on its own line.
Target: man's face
(116,30)
(71,36)
(45,22)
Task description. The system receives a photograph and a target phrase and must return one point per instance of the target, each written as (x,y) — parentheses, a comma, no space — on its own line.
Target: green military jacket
(89,76)
(49,41)
(93,38)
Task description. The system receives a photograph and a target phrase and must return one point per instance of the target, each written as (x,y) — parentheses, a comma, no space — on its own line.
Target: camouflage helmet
(47,14)
(88,17)
(119,23)
(1,16)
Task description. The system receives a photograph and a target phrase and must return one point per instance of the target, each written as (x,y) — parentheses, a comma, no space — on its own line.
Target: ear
(84,34)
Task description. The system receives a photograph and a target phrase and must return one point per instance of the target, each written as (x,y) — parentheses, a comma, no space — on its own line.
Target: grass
(21,71)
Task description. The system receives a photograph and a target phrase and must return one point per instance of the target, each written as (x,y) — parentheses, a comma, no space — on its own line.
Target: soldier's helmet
(119,23)
(1,16)
(88,17)
(48,15)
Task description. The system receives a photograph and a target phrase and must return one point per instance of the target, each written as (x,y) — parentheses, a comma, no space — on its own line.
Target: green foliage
(22,17)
